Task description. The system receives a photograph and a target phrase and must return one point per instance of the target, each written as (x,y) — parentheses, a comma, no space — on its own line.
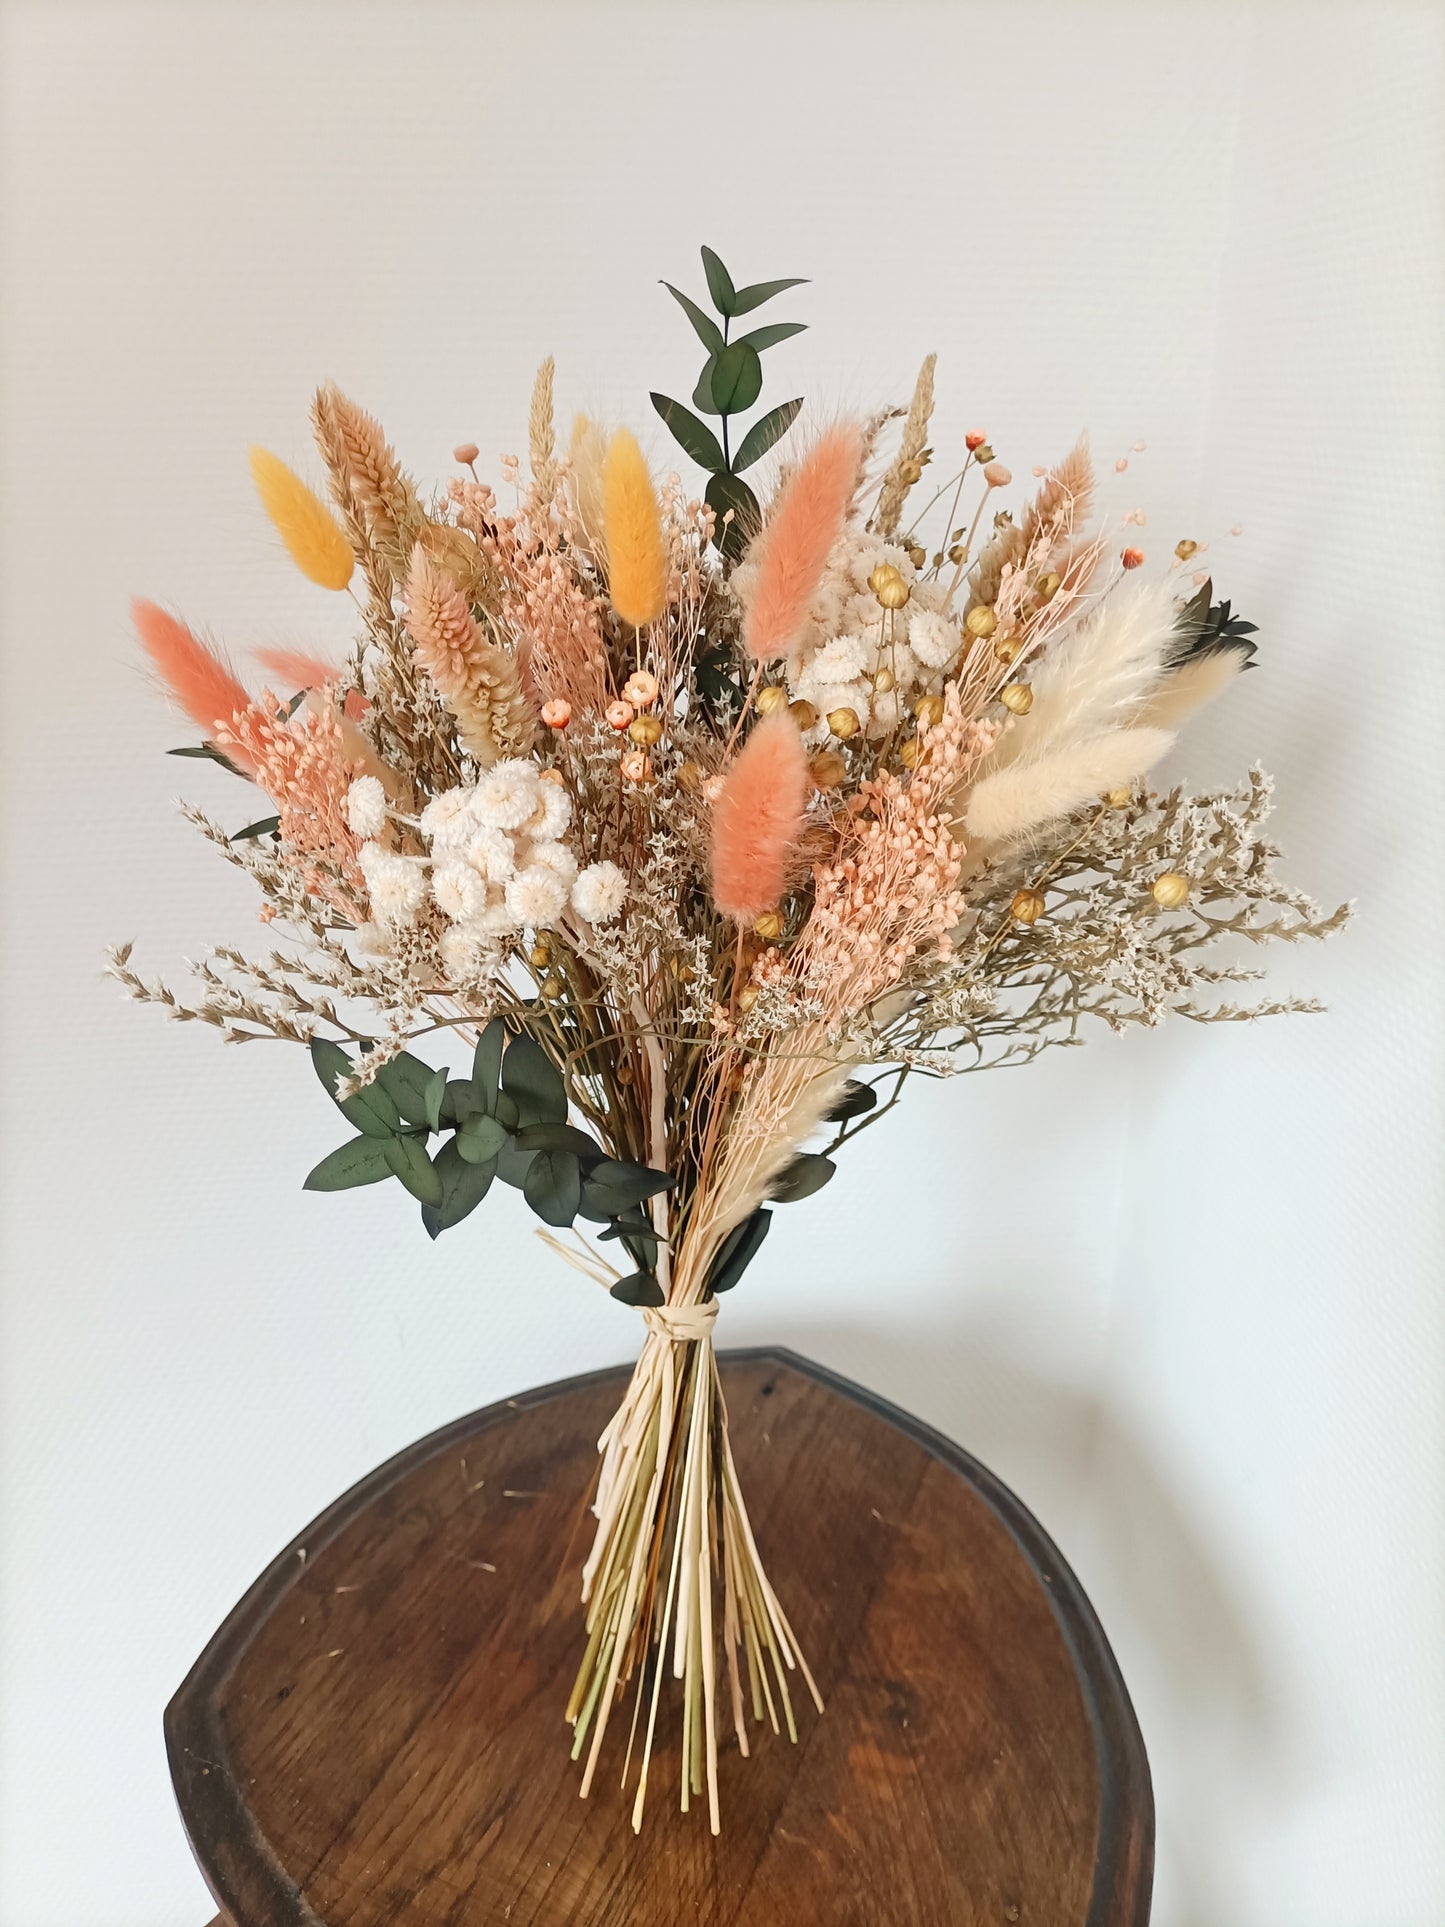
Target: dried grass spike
(912,443)
(314,539)
(367,479)
(477,680)
(541,432)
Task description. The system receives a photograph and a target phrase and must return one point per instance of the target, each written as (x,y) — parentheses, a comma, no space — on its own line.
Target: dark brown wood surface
(374,1738)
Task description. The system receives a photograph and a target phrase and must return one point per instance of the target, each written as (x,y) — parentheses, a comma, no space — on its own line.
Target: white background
(1180,1290)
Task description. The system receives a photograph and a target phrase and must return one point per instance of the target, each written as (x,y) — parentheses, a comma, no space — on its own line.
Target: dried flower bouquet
(702,822)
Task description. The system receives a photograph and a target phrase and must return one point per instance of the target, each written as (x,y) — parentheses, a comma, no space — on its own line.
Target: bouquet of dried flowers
(703,822)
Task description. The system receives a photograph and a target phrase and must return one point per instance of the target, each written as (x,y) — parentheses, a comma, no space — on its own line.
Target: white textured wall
(1183,1290)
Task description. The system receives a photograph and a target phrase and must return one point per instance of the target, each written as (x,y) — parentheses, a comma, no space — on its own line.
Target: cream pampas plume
(792,551)
(758,818)
(900,477)
(632,524)
(199,682)
(315,540)
(477,681)
(1017,801)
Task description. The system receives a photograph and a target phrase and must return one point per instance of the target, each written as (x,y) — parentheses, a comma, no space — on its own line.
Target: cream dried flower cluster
(698,819)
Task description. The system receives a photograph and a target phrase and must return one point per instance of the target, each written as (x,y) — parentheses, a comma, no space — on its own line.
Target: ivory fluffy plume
(792,551)
(1019,800)
(758,818)
(314,538)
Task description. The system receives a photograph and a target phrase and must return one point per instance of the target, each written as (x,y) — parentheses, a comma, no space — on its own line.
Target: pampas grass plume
(199,682)
(758,818)
(632,524)
(792,551)
(315,539)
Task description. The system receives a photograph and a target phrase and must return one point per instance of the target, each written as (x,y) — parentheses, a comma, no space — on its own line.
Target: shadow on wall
(1218,1747)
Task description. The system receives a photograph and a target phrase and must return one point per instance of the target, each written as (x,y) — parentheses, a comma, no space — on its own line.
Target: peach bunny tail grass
(758,818)
(632,526)
(298,670)
(313,536)
(199,682)
(792,550)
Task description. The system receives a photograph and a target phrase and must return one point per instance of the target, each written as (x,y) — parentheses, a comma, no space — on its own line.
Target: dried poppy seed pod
(646,731)
(958,555)
(843,723)
(828,770)
(929,711)
(894,593)
(1027,906)
(908,753)
(540,955)
(916,555)
(1017,698)
(552,988)
(910,472)
(620,716)
(1185,549)
(771,698)
(1047,586)
(1006,648)
(769,926)
(996,474)
(884,680)
(980,621)
(1170,890)
(885,572)
(1119,799)
(803,713)
(982,453)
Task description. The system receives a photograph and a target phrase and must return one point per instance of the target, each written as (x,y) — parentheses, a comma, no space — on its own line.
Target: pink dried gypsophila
(758,818)
(302,765)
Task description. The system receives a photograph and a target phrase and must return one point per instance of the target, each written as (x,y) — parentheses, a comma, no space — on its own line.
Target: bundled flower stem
(691,845)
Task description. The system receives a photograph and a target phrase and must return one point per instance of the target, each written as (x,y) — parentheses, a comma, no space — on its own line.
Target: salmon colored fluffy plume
(199,682)
(299,671)
(632,524)
(793,549)
(757,820)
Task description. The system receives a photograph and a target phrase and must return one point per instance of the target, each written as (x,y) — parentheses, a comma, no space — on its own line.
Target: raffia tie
(683,1324)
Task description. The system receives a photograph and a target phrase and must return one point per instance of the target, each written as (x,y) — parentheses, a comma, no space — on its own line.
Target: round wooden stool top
(374,1738)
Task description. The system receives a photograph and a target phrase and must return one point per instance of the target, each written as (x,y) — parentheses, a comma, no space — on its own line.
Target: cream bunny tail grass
(1195,682)
(1018,801)
(477,681)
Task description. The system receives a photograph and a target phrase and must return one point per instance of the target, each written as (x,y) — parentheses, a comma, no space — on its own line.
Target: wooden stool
(374,1738)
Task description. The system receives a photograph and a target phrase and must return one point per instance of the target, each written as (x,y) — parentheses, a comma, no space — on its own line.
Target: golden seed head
(910,472)
(980,621)
(771,698)
(1027,906)
(1017,698)
(884,680)
(689,774)
(929,711)
(646,731)
(938,559)
(917,556)
(1119,799)
(828,770)
(540,955)
(1048,586)
(747,996)
(803,713)
(958,555)
(552,989)
(983,453)
(908,753)
(843,723)
(1007,648)
(893,593)
(885,572)
(1170,890)
(1185,549)
(769,926)
(624,1072)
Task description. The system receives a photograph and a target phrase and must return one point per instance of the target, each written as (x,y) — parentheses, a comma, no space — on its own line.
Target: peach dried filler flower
(700,815)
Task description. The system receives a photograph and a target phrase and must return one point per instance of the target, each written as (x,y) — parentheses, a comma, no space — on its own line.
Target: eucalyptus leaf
(852,1101)
(487,1063)
(694,437)
(212,755)
(513,1163)
(638,1288)
(559,1137)
(463,1188)
(461,1101)
(702,394)
(719,283)
(415,1169)
(553,1187)
(436,1092)
(724,492)
(737,378)
(505,1111)
(754,295)
(808,1172)
(371,1110)
(406,1080)
(480,1139)
(361,1160)
(764,432)
(770,335)
(739,1249)
(534,1084)
(708,332)
(634,1181)
(263,826)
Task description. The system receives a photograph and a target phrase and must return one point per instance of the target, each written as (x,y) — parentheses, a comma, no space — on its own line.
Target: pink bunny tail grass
(792,550)
(757,820)
(297,670)
(197,679)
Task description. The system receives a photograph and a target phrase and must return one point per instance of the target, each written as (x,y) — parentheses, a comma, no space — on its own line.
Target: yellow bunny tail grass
(314,538)
(632,523)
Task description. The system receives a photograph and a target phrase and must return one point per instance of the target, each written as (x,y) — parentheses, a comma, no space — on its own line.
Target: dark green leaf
(719,282)
(371,1110)
(487,1063)
(808,1172)
(406,1080)
(513,1163)
(553,1187)
(638,1288)
(852,1101)
(505,1111)
(480,1139)
(415,1169)
(764,432)
(460,1101)
(436,1092)
(634,1181)
(772,334)
(695,437)
(534,1084)
(263,826)
(753,296)
(361,1160)
(737,378)
(738,1251)
(630,1224)
(559,1137)
(708,332)
(702,394)
(212,755)
(463,1188)
(724,492)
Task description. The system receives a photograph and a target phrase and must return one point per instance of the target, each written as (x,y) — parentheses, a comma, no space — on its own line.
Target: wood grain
(374,1736)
